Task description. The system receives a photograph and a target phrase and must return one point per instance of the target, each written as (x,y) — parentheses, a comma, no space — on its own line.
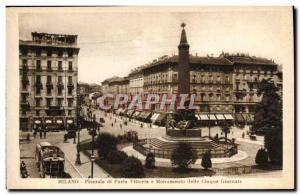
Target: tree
(206,160)
(116,157)
(225,127)
(106,143)
(268,120)
(132,168)
(262,157)
(150,161)
(183,156)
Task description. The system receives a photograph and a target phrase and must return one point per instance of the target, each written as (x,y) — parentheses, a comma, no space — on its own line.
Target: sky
(114,42)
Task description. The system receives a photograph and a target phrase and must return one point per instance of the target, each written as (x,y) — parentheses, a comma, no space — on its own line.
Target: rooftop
(224,59)
(54,40)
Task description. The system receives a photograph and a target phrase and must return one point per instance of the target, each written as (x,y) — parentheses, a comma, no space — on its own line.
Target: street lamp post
(78,126)
(74,140)
(93,140)
(209,121)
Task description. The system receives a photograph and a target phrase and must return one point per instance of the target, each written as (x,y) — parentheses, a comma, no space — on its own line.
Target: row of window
(49,65)
(68,112)
(49,53)
(49,91)
(49,102)
(49,79)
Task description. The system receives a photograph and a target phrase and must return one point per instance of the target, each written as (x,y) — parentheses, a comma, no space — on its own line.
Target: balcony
(243,91)
(70,85)
(25,105)
(25,81)
(25,68)
(39,85)
(227,82)
(60,85)
(49,85)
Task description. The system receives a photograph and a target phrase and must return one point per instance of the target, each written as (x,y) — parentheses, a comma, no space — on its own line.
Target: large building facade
(225,86)
(48,81)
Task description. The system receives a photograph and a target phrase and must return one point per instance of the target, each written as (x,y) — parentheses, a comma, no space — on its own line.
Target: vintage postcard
(150,98)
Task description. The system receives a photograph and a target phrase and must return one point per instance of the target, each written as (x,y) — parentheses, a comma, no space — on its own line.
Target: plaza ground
(113,125)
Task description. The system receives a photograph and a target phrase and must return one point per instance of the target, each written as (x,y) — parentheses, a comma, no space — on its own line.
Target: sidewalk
(258,142)
(83,170)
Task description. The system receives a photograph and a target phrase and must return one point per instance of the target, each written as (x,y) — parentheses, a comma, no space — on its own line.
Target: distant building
(48,80)
(136,81)
(88,92)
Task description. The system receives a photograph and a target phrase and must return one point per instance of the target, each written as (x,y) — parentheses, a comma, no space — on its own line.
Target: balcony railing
(39,85)
(49,85)
(70,85)
(25,81)
(25,68)
(25,104)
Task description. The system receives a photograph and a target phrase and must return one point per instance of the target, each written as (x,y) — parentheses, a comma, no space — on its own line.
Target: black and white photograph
(150,97)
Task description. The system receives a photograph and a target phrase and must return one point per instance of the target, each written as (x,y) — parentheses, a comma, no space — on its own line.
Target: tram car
(49,160)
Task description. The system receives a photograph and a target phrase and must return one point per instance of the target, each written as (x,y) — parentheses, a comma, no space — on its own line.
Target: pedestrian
(150,125)
(45,132)
(112,124)
(115,120)
(65,138)
(41,134)
(121,126)
(28,137)
(34,134)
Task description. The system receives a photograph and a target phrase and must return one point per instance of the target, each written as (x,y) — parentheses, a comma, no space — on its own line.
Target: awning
(246,117)
(228,117)
(212,117)
(142,115)
(154,117)
(37,122)
(48,121)
(125,111)
(59,121)
(251,116)
(130,112)
(239,117)
(122,111)
(119,110)
(220,117)
(69,121)
(203,117)
(160,118)
(137,113)
(197,116)
(147,115)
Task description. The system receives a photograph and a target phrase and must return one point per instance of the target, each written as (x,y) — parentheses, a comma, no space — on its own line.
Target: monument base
(184,132)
